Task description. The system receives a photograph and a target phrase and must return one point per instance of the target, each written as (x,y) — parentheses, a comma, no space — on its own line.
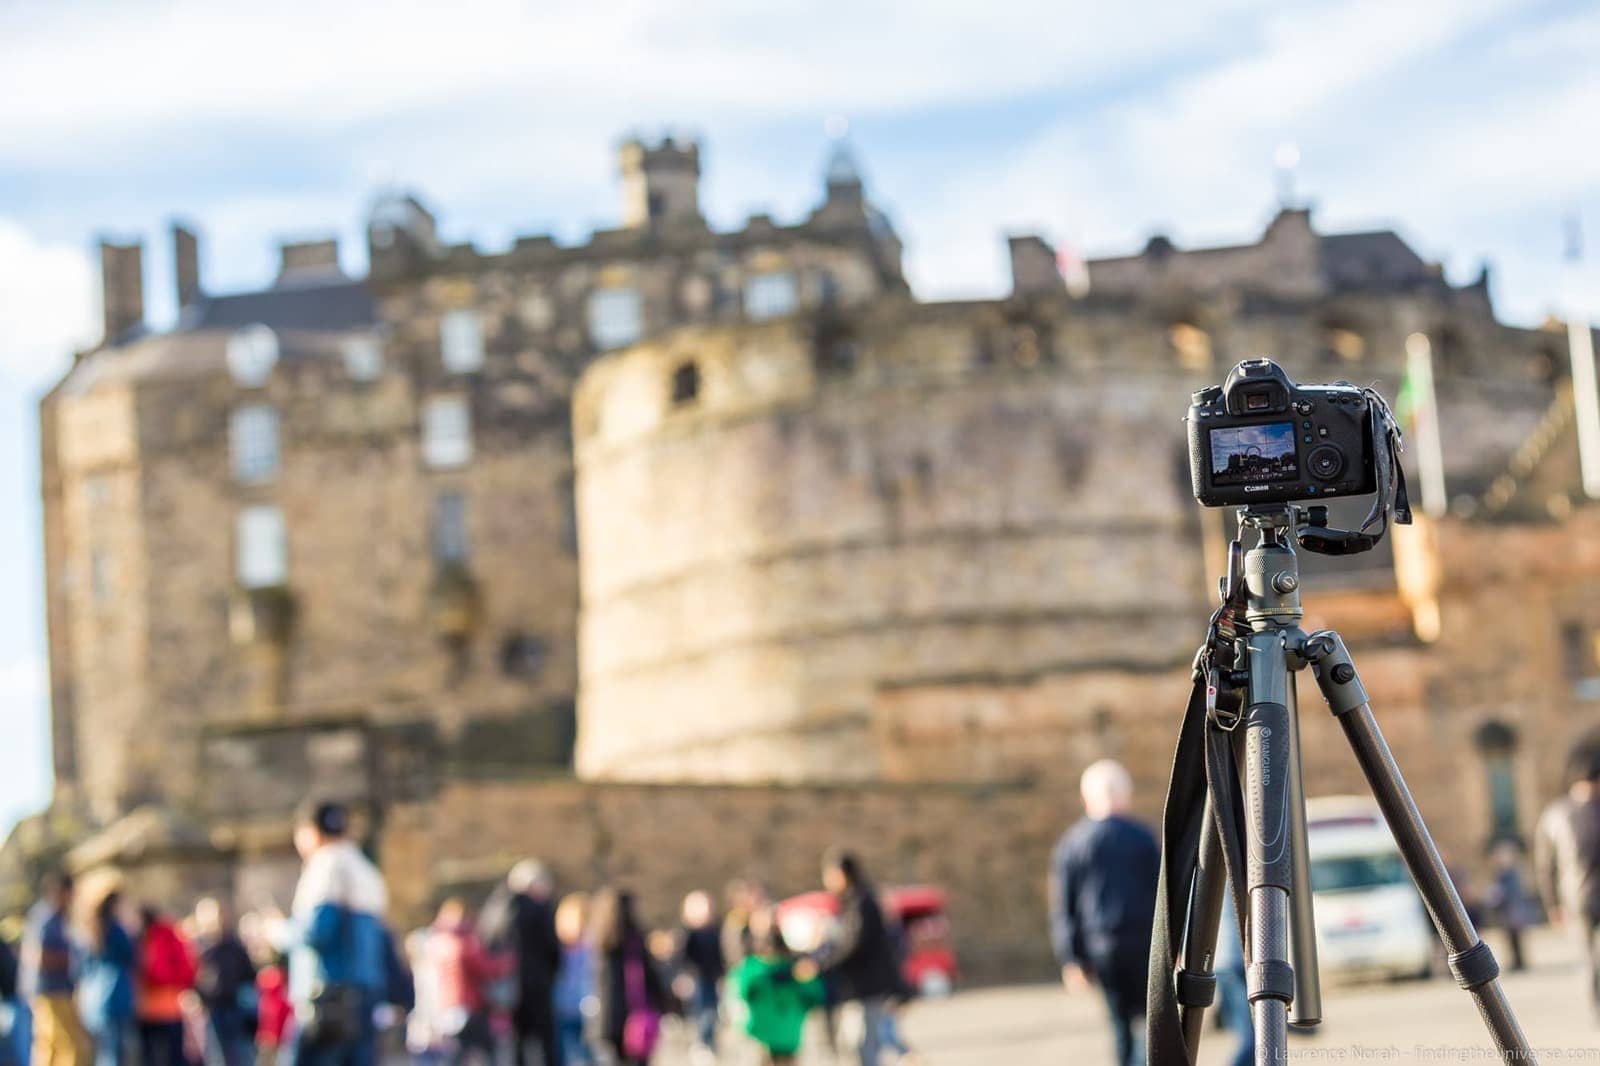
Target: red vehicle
(930,965)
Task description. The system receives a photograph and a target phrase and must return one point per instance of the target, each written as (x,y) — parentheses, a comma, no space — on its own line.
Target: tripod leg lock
(1196,989)
(1273,979)
(1474,967)
(1335,672)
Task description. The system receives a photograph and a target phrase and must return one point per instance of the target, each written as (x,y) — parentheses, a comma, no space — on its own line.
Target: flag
(1074,271)
(1580,349)
(1417,408)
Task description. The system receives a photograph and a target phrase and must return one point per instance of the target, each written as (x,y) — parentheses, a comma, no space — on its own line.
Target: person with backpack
(105,986)
(632,995)
(165,975)
(1567,864)
(774,996)
(226,982)
(337,944)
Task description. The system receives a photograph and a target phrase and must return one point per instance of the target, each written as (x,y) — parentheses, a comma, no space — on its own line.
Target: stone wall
(859,531)
(987,846)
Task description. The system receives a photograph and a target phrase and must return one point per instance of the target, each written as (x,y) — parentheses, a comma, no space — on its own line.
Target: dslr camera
(1261,438)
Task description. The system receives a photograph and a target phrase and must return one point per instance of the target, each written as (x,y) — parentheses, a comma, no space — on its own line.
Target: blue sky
(1469,125)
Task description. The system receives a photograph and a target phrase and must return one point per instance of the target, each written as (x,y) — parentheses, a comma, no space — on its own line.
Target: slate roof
(339,304)
(1375,259)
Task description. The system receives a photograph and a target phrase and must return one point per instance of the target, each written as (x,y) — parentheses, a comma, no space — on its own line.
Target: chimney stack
(186,263)
(122,287)
(316,260)
(1034,270)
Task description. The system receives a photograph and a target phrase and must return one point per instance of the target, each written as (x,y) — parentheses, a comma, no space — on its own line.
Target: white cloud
(1448,161)
(77,84)
(48,305)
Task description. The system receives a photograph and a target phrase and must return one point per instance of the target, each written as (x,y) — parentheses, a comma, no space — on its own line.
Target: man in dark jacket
(1102,903)
(532,922)
(858,958)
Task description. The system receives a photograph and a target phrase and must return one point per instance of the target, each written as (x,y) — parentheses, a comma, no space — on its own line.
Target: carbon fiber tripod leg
(1470,959)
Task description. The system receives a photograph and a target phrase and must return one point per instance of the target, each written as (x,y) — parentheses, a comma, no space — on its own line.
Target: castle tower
(660,183)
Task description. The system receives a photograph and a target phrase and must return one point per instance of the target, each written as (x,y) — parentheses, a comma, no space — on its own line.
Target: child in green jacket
(776,1000)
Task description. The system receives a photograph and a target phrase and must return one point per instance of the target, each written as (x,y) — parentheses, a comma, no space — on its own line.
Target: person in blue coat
(339,949)
(105,983)
(1102,903)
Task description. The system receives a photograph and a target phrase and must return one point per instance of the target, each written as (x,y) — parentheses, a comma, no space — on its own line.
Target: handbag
(336,1008)
(335,1016)
(641,1029)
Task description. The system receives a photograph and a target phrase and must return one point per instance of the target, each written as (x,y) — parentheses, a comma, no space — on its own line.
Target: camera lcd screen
(1247,455)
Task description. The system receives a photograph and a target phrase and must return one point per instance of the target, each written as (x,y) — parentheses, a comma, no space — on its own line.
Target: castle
(679,554)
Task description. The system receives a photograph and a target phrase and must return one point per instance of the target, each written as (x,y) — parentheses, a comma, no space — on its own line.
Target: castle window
(253,442)
(521,656)
(252,353)
(363,357)
(461,341)
(450,528)
(769,296)
(614,318)
(446,431)
(1580,645)
(1191,344)
(262,558)
(1497,744)
(685,384)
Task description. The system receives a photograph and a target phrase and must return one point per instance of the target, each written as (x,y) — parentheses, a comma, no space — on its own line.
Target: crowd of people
(538,980)
(525,977)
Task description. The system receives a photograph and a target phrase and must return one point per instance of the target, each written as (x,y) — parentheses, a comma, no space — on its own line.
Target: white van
(1370,919)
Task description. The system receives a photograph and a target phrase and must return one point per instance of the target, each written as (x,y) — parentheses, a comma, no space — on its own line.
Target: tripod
(1236,807)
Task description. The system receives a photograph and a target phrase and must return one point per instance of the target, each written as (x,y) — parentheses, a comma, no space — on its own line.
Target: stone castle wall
(988,847)
(857,533)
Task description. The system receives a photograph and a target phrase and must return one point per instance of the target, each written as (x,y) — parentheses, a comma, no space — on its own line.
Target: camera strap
(1390,498)
(1203,769)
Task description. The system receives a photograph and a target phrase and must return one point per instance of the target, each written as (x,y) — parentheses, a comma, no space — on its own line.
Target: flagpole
(1580,347)
(1425,423)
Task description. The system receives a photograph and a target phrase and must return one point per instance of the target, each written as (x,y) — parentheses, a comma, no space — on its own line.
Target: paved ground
(1418,1021)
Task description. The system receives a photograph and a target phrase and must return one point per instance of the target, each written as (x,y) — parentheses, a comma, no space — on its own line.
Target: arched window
(1497,744)
(685,384)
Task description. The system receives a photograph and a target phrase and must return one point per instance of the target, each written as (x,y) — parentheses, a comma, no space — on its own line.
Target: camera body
(1261,438)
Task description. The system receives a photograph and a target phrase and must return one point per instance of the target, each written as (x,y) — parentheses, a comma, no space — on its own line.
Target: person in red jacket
(272,1011)
(166,971)
(462,969)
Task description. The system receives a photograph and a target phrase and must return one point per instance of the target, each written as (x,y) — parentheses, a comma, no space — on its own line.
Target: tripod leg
(1197,985)
(1268,973)
(1306,1011)
(1470,959)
